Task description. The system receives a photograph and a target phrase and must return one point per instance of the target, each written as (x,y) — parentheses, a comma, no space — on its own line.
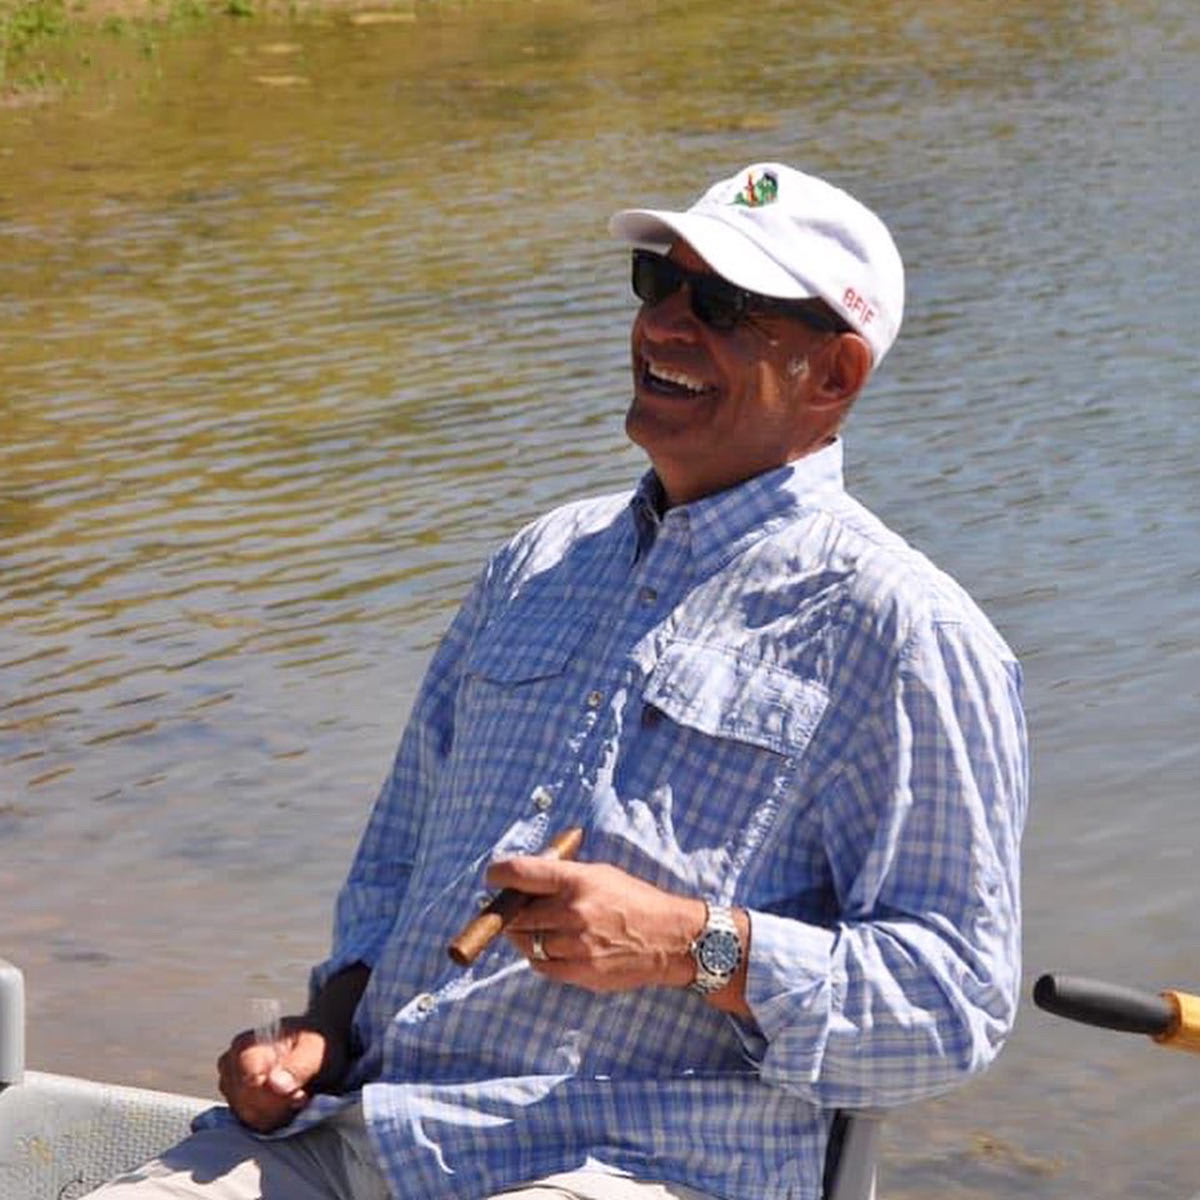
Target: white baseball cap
(774,230)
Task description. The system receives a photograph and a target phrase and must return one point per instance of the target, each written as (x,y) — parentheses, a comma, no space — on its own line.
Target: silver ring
(538,950)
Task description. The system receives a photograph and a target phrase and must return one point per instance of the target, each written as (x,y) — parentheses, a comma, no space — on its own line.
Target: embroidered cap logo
(759,190)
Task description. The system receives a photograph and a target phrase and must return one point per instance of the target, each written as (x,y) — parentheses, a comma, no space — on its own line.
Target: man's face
(713,408)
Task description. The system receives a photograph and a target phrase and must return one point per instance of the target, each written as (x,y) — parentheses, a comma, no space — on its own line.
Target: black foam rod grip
(1107,1005)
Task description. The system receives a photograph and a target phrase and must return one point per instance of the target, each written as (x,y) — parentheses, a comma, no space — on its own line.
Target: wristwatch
(717,951)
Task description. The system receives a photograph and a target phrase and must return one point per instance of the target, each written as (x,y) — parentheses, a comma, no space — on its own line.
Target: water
(298,324)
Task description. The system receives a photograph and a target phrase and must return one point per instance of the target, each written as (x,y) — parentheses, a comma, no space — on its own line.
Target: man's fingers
(548,914)
(282,1082)
(529,873)
(541,946)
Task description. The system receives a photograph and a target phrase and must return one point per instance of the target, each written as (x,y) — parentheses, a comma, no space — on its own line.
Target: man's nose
(671,317)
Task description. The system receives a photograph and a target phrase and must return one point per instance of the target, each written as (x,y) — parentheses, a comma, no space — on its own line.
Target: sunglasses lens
(654,277)
(716,303)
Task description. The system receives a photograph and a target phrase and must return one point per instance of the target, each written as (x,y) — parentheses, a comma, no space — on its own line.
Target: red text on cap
(859,305)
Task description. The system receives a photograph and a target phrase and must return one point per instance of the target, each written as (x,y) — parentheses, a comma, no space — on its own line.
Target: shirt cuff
(790,990)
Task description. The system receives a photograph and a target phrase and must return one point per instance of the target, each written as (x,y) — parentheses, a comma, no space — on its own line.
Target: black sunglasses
(718,303)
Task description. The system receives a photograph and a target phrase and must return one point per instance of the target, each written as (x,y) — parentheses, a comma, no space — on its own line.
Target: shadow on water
(299,322)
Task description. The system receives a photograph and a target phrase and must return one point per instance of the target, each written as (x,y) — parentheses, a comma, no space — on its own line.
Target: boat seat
(61,1137)
(852,1154)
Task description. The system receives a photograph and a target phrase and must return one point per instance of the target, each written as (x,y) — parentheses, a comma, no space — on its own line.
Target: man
(797,753)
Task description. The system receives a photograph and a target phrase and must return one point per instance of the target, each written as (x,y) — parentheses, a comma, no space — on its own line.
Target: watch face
(719,952)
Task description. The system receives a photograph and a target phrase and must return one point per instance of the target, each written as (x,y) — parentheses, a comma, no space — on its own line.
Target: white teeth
(674,377)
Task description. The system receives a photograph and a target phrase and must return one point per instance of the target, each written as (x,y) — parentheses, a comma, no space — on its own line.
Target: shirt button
(647,596)
(426,1003)
(541,798)
(595,699)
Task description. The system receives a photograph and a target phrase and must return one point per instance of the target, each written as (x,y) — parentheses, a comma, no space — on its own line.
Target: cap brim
(729,252)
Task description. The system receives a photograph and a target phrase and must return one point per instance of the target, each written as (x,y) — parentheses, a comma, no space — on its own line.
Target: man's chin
(654,416)
(647,427)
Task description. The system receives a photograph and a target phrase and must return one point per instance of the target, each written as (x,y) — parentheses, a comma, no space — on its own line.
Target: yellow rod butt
(1184,1033)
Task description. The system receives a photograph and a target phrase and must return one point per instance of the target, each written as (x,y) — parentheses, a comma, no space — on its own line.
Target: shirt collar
(647,505)
(724,524)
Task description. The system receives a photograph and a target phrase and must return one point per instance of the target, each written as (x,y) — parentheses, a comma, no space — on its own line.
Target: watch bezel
(720,951)
(717,951)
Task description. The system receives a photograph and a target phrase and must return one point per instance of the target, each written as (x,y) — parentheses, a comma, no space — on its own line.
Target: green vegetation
(24,25)
(44,43)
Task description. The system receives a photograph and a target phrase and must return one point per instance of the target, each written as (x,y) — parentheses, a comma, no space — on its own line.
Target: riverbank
(51,48)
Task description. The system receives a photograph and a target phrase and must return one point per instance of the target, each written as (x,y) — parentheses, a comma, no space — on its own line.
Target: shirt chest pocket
(715,691)
(520,682)
(720,754)
(530,642)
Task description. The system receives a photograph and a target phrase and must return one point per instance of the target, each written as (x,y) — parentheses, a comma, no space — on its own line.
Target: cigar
(481,931)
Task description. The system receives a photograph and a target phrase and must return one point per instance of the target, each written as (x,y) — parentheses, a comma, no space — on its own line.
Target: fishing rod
(1171,1018)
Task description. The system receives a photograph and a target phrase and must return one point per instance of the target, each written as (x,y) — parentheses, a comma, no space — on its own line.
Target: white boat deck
(61,1137)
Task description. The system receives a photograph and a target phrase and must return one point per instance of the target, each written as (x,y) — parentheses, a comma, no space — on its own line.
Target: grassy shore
(49,47)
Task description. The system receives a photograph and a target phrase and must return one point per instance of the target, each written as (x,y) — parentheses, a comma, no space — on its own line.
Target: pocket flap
(528,642)
(720,693)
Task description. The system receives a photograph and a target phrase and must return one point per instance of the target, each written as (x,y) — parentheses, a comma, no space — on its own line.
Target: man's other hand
(265,1085)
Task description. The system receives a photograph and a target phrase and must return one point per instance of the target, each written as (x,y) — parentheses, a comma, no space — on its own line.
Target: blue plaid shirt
(764,698)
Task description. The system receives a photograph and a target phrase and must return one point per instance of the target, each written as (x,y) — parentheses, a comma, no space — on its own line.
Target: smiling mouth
(670,381)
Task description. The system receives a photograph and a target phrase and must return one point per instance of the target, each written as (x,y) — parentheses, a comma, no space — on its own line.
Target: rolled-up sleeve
(914,987)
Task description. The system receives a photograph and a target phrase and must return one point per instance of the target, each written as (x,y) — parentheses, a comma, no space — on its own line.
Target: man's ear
(845,366)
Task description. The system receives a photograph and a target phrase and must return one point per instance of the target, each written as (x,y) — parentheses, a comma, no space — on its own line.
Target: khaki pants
(332,1161)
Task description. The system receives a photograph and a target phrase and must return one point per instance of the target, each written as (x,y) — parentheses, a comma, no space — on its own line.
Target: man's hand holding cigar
(594,925)
(597,927)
